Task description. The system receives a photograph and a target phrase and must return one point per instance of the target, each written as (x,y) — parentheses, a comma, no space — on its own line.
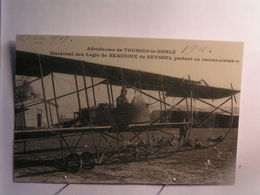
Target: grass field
(214,165)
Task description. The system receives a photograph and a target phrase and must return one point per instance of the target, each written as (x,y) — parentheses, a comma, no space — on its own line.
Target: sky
(181,52)
(178,58)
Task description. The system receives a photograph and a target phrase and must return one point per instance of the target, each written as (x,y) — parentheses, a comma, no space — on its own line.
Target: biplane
(115,132)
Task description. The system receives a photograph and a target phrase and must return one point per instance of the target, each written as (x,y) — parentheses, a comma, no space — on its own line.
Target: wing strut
(43,90)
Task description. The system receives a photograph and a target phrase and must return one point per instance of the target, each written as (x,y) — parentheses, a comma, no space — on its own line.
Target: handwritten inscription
(188,49)
(39,40)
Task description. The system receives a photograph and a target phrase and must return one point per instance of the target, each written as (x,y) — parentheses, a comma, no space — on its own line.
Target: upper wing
(29,64)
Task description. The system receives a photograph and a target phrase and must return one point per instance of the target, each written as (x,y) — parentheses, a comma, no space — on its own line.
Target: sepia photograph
(117,110)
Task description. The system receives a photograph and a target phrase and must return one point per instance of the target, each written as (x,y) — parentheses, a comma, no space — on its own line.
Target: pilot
(123,111)
(122,100)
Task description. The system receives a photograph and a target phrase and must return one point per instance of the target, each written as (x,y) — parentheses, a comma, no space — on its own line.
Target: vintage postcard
(126,110)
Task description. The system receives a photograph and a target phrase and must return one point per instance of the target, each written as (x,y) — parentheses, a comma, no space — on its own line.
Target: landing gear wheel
(73,162)
(88,160)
